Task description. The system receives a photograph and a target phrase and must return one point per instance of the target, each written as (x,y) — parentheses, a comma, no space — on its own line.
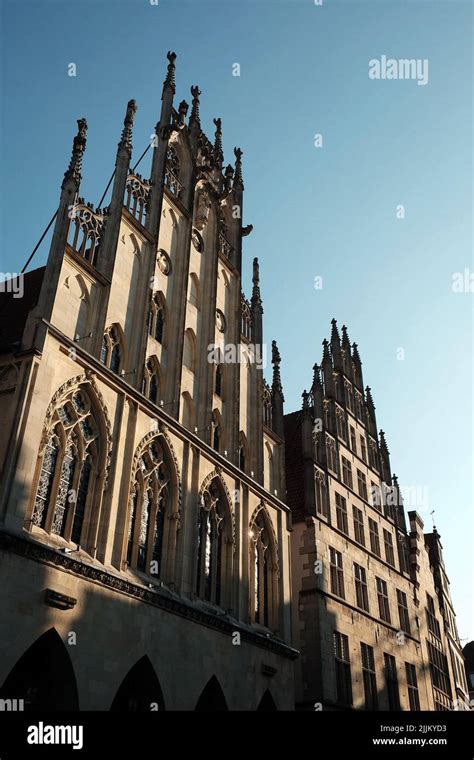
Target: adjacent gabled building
(372,616)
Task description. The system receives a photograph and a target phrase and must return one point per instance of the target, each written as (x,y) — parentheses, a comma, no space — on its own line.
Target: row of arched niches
(44,679)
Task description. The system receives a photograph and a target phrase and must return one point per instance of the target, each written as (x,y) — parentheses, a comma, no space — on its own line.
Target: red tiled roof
(14,311)
(294,465)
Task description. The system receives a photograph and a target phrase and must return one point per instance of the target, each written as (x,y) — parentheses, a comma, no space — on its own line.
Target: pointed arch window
(111,350)
(151,385)
(267,405)
(218,380)
(263,574)
(150,505)
(214,545)
(215,432)
(156,318)
(69,468)
(172,172)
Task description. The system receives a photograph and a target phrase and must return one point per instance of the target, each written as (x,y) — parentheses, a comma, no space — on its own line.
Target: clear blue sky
(327,212)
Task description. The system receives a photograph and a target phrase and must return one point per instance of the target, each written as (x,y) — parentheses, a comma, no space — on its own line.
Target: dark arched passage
(266,703)
(140,690)
(212,698)
(43,676)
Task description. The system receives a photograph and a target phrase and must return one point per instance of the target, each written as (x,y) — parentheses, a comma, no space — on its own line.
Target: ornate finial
(182,111)
(169,81)
(326,354)
(218,152)
(355,354)
(345,340)
(317,376)
(126,138)
(228,175)
(305,396)
(383,443)
(256,299)
(238,181)
(195,92)
(395,481)
(276,359)
(334,331)
(370,401)
(78,147)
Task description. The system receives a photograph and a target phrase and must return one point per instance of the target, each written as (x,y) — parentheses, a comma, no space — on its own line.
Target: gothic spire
(370,402)
(256,297)
(345,341)
(78,147)
(276,360)
(170,80)
(182,111)
(195,117)
(383,443)
(229,173)
(305,396)
(336,345)
(357,367)
(326,354)
(126,138)
(218,152)
(238,181)
(317,377)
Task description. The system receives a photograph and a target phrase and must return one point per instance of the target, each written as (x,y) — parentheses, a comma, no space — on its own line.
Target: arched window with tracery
(156,318)
(214,548)
(216,432)
(151,380)
(218,380)
(69,469)
(172,172)
(111,353)
(246,318)
(267,405)
(263,572)
(149,536)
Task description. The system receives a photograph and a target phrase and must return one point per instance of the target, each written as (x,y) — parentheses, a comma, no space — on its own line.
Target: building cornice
(37,552)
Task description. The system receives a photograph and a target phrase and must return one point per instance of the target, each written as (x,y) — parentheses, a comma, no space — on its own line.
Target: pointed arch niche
(153,517)
(72,467)
(264,570)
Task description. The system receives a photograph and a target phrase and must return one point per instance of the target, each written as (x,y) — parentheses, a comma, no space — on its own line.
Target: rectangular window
(373,454)
(331,457)
(431,620)
(368,673)
(362,485)
(375,496)
(341,424)
(374,537)
(388,544)
(403,553)
(341,513)
(382,594)
(412,684)
(353,439)
(346,472)
(362,596)
(349,393)
(358,526)
(336,571)
(391,679)
(403,615)
(439,669)
(343,669)
(321,492)
(363,448)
